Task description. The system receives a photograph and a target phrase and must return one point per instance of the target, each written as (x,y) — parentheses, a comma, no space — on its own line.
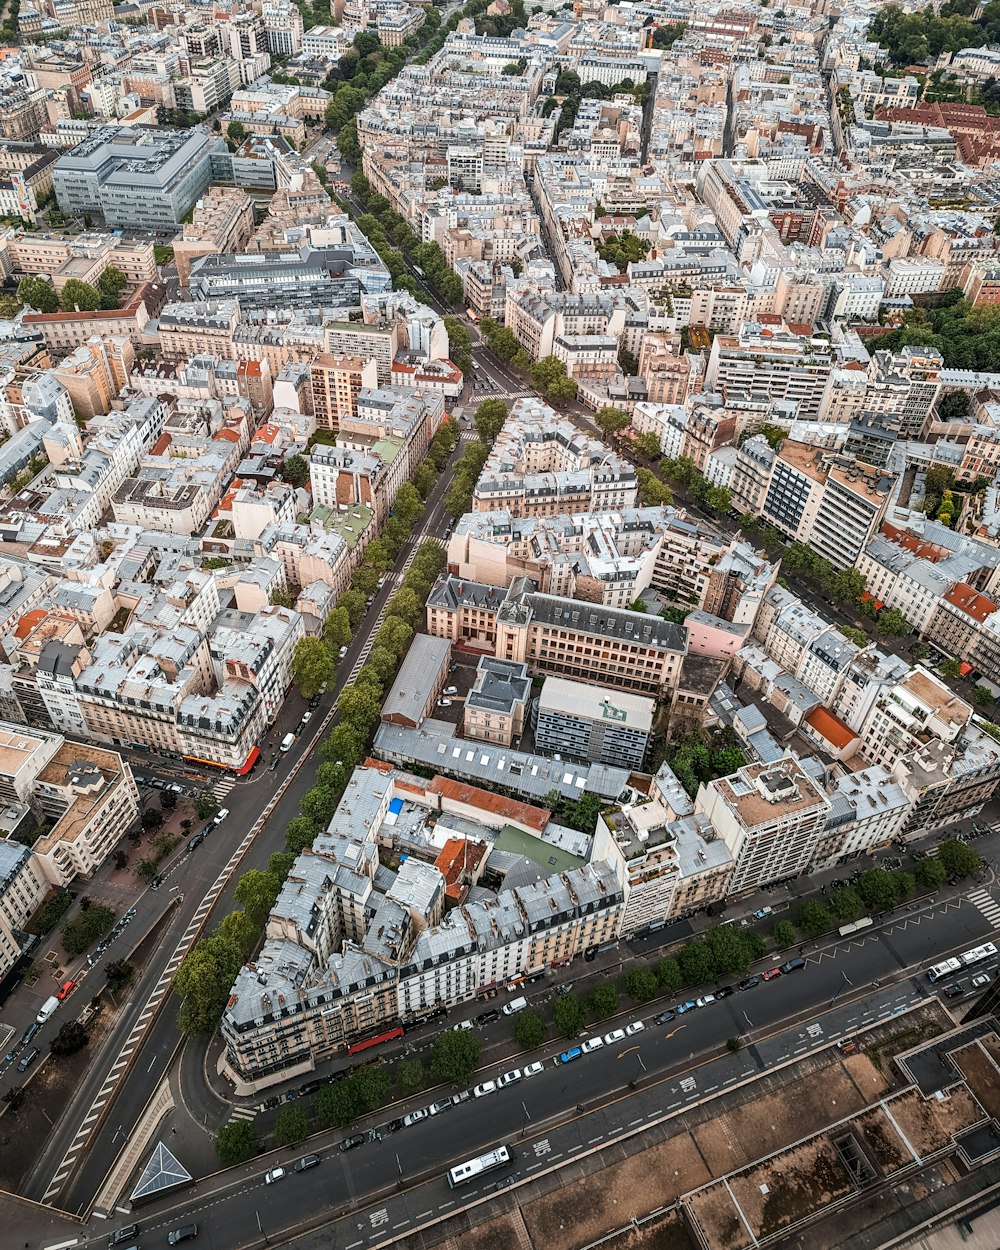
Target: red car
(770,974)
(65,990)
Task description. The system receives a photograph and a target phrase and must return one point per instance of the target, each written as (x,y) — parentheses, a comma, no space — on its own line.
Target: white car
(533,1069)
(594,1043)
(341,653)
(487,1087)
(275,1174)
(617,1035)
(635,1027)
(444,702)
(978,982)
(220,815)
(509,1078)
(703,1002)
(462,1024)
(416,1116)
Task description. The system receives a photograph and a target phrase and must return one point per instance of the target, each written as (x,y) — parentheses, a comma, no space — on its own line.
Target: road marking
(424,1214)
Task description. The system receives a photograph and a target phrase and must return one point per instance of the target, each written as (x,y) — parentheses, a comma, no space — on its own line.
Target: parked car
(569,1055)
(394,1126)
(416,1116)
(487,1017)
(562,989)
(341,653)
(451,690)
(705,1000)
(220,815)
(533,1069)
(353,1142)
(305,1163)
(724,991)
(26,1060)
(462,1096)
(123,1234)
(444,1105)
(275,1175)
(186,1232)
(955,991)
(636,1026)
(509,1078)
(444,702)
(683,1008)
(979,981)
(592,1043)
(616,1035)
(770,974)
(487,1087)
(763,912)
(462,1024)
(65,990)
(748,983)
(664,1017)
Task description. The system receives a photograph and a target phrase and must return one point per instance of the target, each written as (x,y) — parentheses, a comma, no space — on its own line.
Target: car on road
(508,1180)
(705,1000)
(64,990)
(487,1017)
(275,1175)
(305,1163)
(341,653)
(569,1055)
(592,1043)
(487,1087)
(955,991)
(763,912)
(220,815)
(444,702)
(562,989)
(444,1105)
(394,1126)
(748,983)
(451,690)
(509,1078)
(122,1234)
(462,1096)
(664,1017)
(533,1069)
(29,1033)
(683,1008)
(353,1142)
(636,1026)
(416,1116)
(979,981)
(306,718)
(186,1232)
(195,842)
(770,974)
(270,1103)
(462,1024)
(27,1059)
(616,1035)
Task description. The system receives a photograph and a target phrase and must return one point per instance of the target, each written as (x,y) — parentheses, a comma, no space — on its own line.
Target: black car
(310,1087)
(270,1103)
(394,1126)
(954,991)
(29,1033)
(749,983)
(723,991)
(353,1142)
(562,989)
(664,1017)
(487,1017)
(305,1163)
(123,1234)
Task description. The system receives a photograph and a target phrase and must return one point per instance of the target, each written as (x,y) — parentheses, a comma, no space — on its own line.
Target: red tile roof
(968,600)
(510,809)
(831,728)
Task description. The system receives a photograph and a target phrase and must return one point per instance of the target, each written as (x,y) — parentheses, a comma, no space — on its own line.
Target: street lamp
(399,1171)
(642,1067)
(524,1126)
(260,1229)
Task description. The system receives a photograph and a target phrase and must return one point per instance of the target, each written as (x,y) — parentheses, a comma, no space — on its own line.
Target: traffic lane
(677,931)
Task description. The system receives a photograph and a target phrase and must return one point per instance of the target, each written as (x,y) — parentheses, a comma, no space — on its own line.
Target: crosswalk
(243,1113)
(986,903)
(222,787)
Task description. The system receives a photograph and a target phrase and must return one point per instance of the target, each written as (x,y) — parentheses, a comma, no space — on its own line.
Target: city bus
(967,959)
(492,1161)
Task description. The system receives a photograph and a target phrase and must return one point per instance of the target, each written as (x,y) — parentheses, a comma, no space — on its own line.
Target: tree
(365,579)
(312,666)
(652,492)
(343,743)
(119,972)
(77,295)
(371,1084)
(697,962)
(814,919)
(203,980)
(729,951)
(295,470)
(236,1142)
(783,934)
(236,131)
(206,805)
(957,859)
(982,697)
(168,800)
(337,1104)
(845,905)
(257,892)
(547,374)
(878,889)
(281,598)
(86,928)
(648,444)
(931,873)
(529,1030)
(602,1001)
(360,706)
(424,478)
(951,669)
(121,859)
(151,819)
(455,1055)
(668,975)
(892,623)
(641,984)
(291,1125)
(569,1015)
(490,417)
(337,629)
(611,420)
(37,293)
(354,604)
(111,286)
(299,833)
(857,636)
(70,1038)
(411,1076)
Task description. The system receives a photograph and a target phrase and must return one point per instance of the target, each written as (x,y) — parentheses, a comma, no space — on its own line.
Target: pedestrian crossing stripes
(987,905)
(221,788)
(243,1113)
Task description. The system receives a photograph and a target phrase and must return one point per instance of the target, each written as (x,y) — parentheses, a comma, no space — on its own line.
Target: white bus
(502,1157)
(967,959)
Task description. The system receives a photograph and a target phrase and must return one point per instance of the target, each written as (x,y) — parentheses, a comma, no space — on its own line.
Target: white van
(514,1006)
(48,1007)
(287,741)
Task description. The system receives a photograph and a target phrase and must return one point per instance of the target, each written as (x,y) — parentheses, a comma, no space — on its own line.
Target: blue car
(688,1006)
(569,1055)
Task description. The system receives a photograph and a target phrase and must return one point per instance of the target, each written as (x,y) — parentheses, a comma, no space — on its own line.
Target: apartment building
(771,816)
(542,465)
(22,891)
(221,221)
(574,720)
(370,342)
(917,709)
(336,383)
(191,329)
(62,332)
(352,947)
(773,364)
(496,708)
